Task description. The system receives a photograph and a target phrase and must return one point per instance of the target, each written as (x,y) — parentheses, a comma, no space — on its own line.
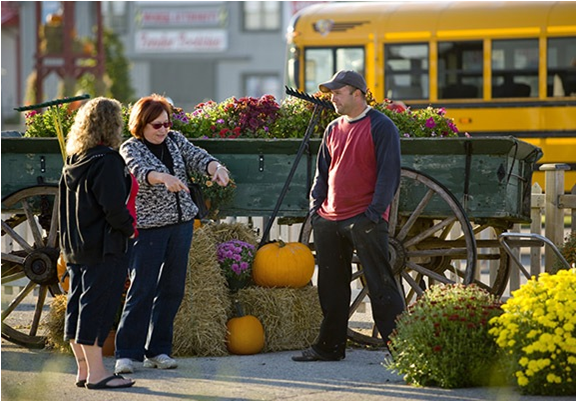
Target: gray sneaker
(123,366)
(161,361)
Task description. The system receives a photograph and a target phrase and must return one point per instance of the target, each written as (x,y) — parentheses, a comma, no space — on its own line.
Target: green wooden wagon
(451,190)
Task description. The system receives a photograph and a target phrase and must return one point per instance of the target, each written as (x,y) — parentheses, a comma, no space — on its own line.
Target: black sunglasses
(157,126)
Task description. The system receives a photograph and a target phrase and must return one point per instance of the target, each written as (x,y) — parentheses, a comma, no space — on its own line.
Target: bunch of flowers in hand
(235,258)
(537,331)
(215,195)
(442,339)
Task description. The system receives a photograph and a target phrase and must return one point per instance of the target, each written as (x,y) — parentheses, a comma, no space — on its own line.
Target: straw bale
(200,324)
(54,323)
(291,317)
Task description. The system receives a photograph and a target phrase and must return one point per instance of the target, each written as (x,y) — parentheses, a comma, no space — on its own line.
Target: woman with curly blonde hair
(97,219)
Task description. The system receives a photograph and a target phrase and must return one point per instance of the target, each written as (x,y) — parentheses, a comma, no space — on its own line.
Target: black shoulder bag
(198,199)
(195,193)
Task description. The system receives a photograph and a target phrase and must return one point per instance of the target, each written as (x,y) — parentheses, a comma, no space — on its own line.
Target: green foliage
(442,339)
(537,332)
(294,116)
(43,124)
(428,122)
(117,68)
(264,118)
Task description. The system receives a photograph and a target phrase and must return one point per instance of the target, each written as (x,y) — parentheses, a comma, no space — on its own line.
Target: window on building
(257,85)
(407,71)
(515,68)
(115,15)
(261,15)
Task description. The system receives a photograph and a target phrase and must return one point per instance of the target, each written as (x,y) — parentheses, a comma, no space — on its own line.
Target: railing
(550,209)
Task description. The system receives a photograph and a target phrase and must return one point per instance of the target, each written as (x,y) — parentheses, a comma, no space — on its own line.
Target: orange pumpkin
(60,270)
(245,335)
(281,264)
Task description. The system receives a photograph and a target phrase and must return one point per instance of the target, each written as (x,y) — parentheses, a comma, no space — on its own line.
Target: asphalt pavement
(42,375)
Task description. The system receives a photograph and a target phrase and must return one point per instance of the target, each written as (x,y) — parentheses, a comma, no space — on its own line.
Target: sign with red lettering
(183,17)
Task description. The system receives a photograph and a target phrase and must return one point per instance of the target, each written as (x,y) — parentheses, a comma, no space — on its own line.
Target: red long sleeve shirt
(358,167)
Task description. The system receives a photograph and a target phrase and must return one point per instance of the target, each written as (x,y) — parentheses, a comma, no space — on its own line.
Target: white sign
(206,40)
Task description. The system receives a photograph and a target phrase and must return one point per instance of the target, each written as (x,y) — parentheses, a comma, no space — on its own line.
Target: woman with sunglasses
(161,160)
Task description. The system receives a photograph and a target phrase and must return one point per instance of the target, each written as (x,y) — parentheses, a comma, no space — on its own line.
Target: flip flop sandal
(104,383)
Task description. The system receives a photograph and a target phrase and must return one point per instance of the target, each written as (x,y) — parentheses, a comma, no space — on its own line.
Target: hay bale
(54,323)
(200,324)
(291,317)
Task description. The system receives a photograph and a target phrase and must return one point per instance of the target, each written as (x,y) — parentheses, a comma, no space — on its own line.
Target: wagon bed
(452,191)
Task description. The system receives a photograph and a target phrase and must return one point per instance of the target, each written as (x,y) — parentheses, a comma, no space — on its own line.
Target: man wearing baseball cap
(357,176)
(342,78)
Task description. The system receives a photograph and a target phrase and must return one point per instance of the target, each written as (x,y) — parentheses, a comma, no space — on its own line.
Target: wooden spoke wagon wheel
(30,267)
(431,241)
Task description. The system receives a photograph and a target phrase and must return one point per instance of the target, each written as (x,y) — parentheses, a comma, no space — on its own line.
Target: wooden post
(537,203)
(554,216)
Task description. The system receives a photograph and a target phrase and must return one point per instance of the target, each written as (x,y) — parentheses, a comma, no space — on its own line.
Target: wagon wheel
(31,266)
(425,247)
(490,252)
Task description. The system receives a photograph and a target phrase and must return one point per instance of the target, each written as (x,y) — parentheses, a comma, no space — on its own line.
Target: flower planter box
(490,177)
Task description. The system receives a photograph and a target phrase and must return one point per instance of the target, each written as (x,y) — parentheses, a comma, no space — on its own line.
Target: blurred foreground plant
(442,339)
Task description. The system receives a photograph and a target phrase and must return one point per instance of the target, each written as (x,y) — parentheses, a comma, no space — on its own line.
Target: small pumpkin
(61,270)
(280,264)
(245,333)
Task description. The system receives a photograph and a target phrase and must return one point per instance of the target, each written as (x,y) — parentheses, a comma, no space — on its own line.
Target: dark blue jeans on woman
(94,299)
(157,274)
(335,242)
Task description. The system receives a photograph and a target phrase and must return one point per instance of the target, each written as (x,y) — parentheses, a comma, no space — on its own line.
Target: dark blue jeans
(335,242)
(157,274)
(94,299)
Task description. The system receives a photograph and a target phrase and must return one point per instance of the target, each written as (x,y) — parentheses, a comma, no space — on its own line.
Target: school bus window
(407,71)
(515,68)
(460,70)
(561,67)
(322,63)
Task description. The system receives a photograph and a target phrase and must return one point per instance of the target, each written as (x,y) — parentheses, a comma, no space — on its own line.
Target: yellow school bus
(498,68)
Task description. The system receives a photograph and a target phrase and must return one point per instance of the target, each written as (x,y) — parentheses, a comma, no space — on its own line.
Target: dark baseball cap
(342,78)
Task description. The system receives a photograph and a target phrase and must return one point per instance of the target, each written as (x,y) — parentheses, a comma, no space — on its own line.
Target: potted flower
(215,196)
(235,257)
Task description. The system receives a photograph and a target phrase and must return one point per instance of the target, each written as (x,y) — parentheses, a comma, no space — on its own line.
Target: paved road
(43,375)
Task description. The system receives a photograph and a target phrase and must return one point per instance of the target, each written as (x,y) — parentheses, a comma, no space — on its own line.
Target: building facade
(189,51)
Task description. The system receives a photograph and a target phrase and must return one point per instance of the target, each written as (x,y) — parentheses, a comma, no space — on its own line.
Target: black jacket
(94,220)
